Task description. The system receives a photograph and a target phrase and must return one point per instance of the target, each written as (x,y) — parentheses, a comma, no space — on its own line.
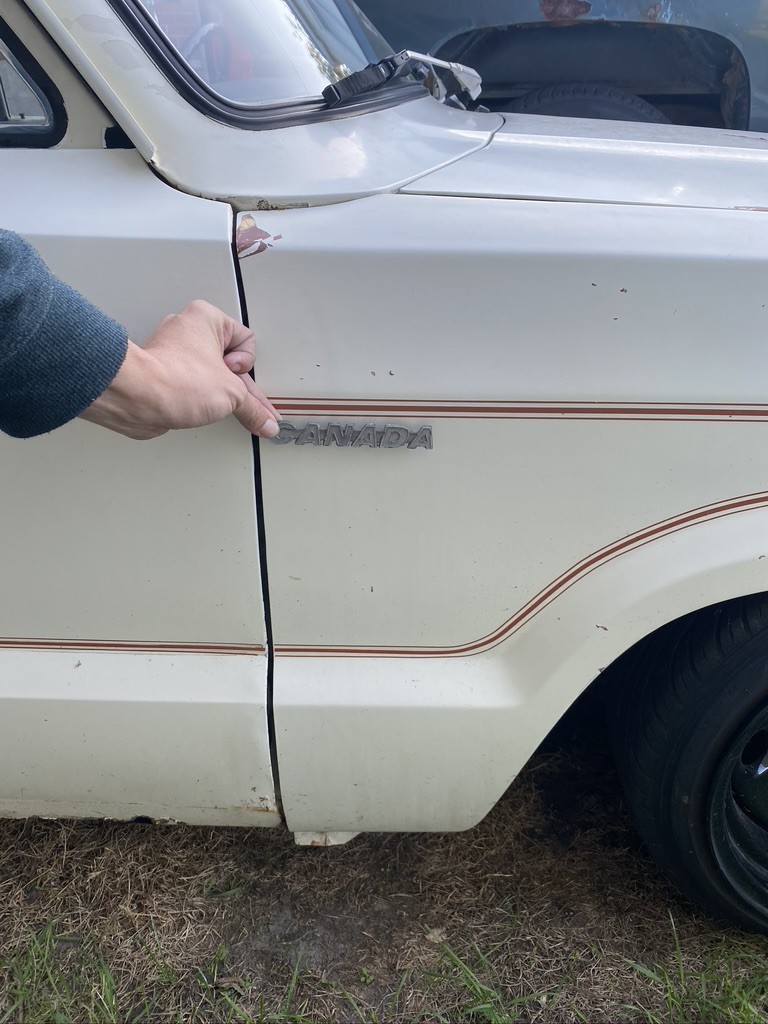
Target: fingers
(255,416)
(239,347)
(259,395)
(238,362)
(206,337)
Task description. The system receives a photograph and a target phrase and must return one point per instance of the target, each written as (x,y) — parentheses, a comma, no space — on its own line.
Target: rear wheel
(597,101)
(690,736)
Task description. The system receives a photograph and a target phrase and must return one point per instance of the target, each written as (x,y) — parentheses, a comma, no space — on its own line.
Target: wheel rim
(738,813)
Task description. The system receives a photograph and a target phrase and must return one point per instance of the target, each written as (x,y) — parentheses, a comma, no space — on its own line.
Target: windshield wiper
(454,84)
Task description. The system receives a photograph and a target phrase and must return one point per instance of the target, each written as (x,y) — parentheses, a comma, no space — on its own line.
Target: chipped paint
(565,10)
(265,205)
(262,805)
(251,239)
(653,12)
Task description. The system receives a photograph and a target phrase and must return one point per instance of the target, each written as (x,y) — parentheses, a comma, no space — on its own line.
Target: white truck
(523,368)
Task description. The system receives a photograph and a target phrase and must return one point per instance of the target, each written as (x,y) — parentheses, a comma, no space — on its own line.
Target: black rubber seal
(264,575)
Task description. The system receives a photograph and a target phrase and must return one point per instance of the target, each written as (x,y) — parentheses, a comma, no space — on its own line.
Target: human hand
(192,371)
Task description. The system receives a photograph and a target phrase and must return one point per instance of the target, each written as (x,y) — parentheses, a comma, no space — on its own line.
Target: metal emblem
(347,435)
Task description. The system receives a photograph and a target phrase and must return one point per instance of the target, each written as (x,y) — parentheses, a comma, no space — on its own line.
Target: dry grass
(548,911)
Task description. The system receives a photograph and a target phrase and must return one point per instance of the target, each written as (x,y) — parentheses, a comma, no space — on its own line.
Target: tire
(596,101)
(689,728)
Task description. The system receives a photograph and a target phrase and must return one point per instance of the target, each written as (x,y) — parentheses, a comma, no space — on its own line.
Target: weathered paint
(250,239)
(116,734)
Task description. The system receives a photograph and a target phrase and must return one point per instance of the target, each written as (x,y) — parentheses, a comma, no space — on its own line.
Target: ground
(549,911)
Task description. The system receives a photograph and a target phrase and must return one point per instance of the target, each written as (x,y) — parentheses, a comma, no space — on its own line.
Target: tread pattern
(618,104)
(661,693)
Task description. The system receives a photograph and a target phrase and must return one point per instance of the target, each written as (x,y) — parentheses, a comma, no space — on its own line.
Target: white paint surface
(106,539)
(118,735)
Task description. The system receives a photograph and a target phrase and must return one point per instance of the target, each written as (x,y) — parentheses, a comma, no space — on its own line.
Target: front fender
(698,559)
(430,743)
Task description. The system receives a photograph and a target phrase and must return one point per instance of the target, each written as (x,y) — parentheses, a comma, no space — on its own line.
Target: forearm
(58,353)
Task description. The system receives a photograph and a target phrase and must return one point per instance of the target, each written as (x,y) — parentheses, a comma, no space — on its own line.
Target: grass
(730,987)
(549,912)
(58,978)
(46,984)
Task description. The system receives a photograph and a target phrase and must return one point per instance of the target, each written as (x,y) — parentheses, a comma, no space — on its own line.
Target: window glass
(254,52)
(23,107)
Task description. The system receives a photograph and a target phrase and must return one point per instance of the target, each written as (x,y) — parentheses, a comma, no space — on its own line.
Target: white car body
(578,310)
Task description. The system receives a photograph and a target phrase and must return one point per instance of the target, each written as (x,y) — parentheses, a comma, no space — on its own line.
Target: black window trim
(33,136)
(240,115)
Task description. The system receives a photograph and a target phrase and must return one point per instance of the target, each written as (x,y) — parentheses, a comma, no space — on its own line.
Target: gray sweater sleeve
(58,353)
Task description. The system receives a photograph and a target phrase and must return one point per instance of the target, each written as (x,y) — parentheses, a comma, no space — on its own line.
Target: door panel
(147,549)
(171,553)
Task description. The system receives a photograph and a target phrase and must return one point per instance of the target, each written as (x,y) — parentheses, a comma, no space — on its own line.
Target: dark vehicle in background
(688,62)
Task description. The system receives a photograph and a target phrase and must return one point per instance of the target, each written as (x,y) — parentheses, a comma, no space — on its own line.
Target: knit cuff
(58,353)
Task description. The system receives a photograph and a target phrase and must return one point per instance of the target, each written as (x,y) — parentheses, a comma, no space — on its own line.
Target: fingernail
(270,428)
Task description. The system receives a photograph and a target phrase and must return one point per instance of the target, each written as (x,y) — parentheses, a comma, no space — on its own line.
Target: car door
(133,660)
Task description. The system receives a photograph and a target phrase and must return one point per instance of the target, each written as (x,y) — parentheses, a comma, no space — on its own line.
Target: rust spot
(653,13)
(249,234)
(564,10)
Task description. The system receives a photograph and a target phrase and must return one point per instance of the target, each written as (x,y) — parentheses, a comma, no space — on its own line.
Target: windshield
(254,52)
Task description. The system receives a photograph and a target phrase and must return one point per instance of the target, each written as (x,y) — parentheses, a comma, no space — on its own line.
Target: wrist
(134,395)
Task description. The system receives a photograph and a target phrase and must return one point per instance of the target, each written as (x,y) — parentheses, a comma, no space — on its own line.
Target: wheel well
(618,674)
(692,75)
